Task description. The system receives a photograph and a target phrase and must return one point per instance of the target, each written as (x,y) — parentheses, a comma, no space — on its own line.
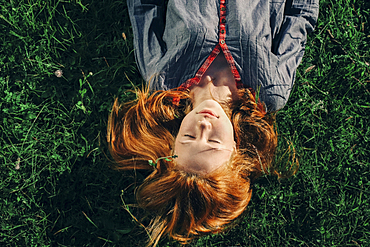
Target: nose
(204,127)
(204,124)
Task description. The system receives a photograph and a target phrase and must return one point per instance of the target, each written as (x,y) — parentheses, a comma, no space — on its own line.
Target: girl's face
(205,140)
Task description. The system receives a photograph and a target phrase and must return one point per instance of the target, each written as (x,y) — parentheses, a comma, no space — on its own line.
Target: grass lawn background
(56,187)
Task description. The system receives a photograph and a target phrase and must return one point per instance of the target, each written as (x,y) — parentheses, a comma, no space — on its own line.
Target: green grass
(56,187)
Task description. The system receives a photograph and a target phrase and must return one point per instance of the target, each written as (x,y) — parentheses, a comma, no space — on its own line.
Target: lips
(208,113)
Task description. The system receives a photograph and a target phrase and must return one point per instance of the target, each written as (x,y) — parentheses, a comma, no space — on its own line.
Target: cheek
(177,147)
(183,126)
(227,126)
(228,131)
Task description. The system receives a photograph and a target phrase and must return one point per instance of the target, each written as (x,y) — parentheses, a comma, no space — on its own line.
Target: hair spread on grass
(187,205)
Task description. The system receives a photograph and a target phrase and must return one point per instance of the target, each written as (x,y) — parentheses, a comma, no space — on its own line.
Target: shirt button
(223,8)
(222,31)
(222,42)
(223,20)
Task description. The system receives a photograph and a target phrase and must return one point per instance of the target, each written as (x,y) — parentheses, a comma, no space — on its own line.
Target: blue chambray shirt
(266,39)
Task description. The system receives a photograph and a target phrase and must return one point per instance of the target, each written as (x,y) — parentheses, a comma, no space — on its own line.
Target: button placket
(222,32)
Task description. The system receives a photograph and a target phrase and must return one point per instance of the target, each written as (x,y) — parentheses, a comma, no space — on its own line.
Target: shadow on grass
(88,209)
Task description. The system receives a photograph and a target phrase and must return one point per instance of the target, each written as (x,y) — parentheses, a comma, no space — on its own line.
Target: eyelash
(192,137)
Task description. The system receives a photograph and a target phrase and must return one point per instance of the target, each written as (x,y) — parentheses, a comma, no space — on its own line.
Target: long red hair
(188,205)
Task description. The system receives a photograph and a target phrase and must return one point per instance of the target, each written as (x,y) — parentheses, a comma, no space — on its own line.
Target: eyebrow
(211,148)
(215,149)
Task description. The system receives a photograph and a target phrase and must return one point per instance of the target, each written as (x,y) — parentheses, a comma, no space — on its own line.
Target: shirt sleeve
(300,17)
(148,23)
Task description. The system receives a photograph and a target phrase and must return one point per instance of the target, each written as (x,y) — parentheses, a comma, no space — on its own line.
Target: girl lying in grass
(201,125)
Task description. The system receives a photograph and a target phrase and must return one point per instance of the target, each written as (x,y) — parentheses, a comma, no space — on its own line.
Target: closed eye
(214,141)
(192,137)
